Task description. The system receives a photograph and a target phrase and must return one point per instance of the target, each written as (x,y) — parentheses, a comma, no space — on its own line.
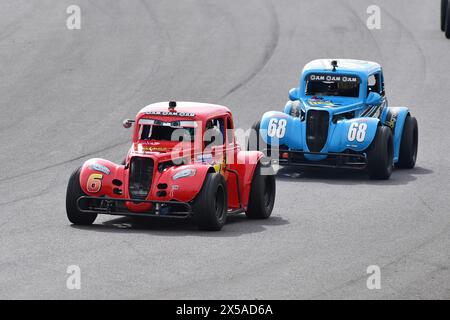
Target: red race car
(183,161)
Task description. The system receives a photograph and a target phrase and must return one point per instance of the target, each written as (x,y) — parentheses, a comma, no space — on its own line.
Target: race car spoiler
(111,206)
(334,160)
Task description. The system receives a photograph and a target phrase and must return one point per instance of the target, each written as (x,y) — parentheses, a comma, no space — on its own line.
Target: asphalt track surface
(63,94)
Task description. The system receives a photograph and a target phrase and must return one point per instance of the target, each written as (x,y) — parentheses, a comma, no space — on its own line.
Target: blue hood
(332,104)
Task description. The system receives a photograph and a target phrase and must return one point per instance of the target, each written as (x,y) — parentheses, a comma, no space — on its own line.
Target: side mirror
(293,94)
(127,123)
(374,99)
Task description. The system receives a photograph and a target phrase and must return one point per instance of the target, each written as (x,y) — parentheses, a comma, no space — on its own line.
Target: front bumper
(114,206)
(343,160)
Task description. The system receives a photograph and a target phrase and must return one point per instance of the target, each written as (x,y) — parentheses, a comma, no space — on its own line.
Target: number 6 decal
(94,183)
(277,127)
(357,131)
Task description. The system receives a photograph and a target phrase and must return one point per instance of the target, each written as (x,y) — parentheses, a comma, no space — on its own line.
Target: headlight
(184,173)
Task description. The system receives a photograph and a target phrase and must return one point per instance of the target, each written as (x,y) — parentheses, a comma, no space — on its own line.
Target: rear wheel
(380,154)
(74,192)
(447,21)
(444,4)
(262,195)
(211,204)
(253,143)
(254,140)
(408,144)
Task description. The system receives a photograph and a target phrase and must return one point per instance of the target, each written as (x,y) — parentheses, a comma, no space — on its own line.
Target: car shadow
(236,225)
(348,177)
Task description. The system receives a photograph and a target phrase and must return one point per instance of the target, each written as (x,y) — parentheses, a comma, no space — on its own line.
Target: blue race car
(339,117)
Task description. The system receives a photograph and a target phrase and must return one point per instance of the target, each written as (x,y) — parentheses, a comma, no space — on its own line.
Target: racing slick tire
(408,144)
(211,204)
(253,143)
(447,21)
(444,5)
(74,191)
(262,195)
(380,154)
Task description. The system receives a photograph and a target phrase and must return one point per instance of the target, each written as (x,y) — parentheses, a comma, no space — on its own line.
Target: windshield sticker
(169,113)
(154,149)
(324,77)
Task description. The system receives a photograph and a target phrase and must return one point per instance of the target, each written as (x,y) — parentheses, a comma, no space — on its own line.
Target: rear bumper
(344,160)
(114,206)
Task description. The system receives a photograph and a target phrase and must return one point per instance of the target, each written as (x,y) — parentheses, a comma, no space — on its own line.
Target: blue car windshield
(332,85)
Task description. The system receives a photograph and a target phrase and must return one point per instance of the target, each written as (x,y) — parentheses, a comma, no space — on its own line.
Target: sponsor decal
(329,77)
(153,149)
(99,167)
(326,103)
(206,158)
(391,120)
(171,113)
(175,187)
(220,167)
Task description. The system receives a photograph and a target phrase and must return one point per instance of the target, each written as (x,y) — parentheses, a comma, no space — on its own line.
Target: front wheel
(262,194)
(211,204)
(74,192)
(408,144)
(380,154)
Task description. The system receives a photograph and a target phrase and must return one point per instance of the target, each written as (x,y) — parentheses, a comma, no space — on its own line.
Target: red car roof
(201,110)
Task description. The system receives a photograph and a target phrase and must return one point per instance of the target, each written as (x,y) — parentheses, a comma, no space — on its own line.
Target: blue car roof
(343,65)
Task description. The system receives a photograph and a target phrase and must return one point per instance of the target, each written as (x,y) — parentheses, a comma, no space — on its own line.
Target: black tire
(447,22)
(408,145)
(380,154)
(211,204)
(444,5)
(74,192)
(262,195)
(253,143)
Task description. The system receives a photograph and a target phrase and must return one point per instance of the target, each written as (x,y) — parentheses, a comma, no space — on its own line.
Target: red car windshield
(150,129)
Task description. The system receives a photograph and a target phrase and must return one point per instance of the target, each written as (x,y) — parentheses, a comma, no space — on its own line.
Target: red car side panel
(96,182)
(245,166)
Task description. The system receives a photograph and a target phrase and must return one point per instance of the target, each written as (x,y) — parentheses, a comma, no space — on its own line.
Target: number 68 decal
(94,183)
(357,131)
(277,128)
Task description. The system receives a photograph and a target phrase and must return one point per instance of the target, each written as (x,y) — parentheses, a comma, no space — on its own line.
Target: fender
(245,167)
(182,189)
(278,128)
(97,175)
(394,118)
(355,134)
